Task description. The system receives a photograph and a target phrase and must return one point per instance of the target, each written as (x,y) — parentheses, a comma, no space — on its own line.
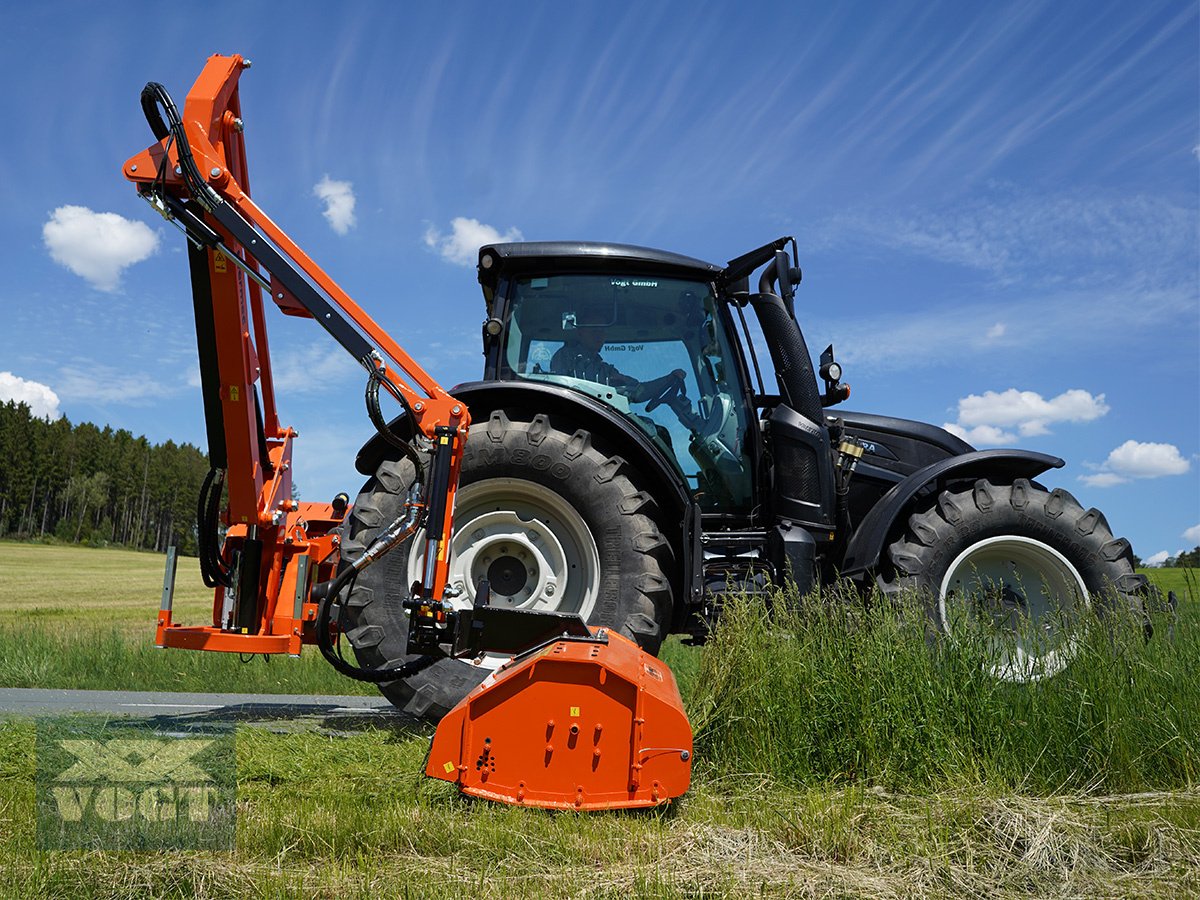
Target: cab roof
(545,257)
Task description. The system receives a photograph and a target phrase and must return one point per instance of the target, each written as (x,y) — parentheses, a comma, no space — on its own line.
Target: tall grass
(829,691)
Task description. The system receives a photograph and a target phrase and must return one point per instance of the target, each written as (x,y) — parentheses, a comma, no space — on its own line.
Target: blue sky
(996,204)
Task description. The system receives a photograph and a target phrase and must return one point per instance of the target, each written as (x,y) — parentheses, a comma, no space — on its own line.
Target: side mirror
(788,275)
(831,374)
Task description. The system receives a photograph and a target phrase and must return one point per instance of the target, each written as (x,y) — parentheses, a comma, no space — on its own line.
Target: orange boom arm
(196,176)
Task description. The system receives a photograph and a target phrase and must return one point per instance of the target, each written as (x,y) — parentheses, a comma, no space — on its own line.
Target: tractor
(629,463)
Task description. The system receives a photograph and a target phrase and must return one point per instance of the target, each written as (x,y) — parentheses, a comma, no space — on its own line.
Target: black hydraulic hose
(328,593)
(154,96)
(212,569)
(374,380)
(150,108)
(329,651)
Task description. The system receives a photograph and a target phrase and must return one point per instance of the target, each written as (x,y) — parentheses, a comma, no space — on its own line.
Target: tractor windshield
(652,348)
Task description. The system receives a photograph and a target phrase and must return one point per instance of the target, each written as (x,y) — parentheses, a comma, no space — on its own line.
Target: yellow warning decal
(235,393)
(219,263)
(449,767)
(574,710)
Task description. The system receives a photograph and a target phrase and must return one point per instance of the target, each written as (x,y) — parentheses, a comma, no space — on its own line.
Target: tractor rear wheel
(1025,561)
(551,521)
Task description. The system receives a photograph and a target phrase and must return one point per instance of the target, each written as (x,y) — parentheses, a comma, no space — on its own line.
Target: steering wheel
(674,388)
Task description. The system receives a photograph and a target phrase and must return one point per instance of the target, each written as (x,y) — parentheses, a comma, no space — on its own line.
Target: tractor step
(581,723)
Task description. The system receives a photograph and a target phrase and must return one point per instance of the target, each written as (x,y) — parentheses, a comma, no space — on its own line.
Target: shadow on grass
(289,717)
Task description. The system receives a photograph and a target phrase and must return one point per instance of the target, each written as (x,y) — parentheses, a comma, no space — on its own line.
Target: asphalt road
(234,707)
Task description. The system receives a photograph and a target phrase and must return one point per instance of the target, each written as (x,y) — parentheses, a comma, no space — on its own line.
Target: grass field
(834,758)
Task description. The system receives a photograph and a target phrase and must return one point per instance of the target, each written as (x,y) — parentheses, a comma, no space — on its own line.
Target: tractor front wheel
(549,520)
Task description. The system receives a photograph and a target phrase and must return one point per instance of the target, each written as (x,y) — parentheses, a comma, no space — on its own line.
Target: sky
(997,205)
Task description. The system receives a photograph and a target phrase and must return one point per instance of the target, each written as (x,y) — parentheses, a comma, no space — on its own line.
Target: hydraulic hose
(327,595)
(154,96)
(374,381)
(212,569)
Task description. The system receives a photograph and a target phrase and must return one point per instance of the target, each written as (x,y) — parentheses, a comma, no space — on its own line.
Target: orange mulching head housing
(582,723)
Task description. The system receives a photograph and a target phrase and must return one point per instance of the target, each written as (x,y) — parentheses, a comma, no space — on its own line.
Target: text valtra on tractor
(618,469)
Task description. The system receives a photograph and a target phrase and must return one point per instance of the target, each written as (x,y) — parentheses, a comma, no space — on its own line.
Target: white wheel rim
(1029,591)
(531,545)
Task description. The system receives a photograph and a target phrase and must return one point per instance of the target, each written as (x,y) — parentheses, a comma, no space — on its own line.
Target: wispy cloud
(992,418)
(1030,240)
(312,368)
(40,398)
(97,246)
(107,385)
(339,200)
(966,326)
(1192,535)
(461,245)
(1137,459)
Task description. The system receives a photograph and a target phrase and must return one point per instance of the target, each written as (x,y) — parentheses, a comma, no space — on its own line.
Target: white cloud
(466,237)
(997,331)
(1192,535)
(1103,479)
(1157,559)
(97,246)
(42,401)
(984,418)
(1135,459)
(339,200)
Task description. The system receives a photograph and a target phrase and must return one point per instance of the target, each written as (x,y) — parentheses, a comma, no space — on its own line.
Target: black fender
(871,536)
(617,434)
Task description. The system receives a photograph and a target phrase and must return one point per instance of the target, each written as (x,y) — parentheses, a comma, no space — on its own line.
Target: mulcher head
(581,723)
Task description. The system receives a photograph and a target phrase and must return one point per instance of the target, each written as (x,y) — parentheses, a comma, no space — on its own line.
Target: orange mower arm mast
(275,549)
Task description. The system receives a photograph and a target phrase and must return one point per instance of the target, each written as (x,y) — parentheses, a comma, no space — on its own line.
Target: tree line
(1189,559)
(85,484)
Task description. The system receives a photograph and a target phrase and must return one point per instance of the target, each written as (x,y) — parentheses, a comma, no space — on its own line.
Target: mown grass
(840,753)
(349,817)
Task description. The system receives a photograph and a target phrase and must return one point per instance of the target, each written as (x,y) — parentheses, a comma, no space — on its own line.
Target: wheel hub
(1028,592)
(530,545)
(507,575)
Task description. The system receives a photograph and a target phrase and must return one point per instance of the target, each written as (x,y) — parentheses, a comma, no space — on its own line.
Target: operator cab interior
(642,328)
